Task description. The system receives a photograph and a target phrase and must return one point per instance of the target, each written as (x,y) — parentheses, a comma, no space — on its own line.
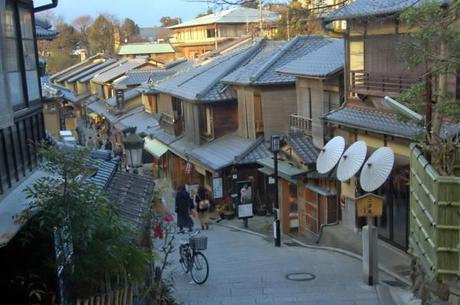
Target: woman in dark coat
(184,205)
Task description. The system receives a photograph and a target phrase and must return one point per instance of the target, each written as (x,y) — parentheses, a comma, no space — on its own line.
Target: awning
(318,189)
(155,147)
(266,171)
(285,170)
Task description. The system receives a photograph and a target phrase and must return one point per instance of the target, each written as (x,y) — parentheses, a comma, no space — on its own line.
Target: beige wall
(165,104)
(82,88)
(246,123)
(277,106)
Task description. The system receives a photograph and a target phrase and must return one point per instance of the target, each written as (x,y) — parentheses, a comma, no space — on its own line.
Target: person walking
(202,207)
(184,206)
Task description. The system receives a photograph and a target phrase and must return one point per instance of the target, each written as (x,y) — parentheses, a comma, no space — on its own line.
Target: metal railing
(380,84)
(300,124)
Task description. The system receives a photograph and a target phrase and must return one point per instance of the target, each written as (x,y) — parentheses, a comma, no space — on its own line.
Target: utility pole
(288,25)
(260,18)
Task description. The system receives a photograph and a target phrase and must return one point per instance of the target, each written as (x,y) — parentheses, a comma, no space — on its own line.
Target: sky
(144,12)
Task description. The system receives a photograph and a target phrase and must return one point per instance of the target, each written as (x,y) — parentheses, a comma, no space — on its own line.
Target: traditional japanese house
(373,70)
(266,102)
(207,33)
(200,115)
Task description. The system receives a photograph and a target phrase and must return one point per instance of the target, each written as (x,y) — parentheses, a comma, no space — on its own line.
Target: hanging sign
(369,205)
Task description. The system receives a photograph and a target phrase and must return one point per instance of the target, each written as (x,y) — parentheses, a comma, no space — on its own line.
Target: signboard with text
(217,188)
(245,199)
(369,205)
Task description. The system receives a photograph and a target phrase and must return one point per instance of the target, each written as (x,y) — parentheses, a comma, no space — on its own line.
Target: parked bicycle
(191,258)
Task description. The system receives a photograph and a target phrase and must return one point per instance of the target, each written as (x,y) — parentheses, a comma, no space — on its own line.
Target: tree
(208,12)
(434,43)
(67,39)
(102,250)
(82,24)
(101,36)
(298,20)
(129,30)
(59,61)
(167,21)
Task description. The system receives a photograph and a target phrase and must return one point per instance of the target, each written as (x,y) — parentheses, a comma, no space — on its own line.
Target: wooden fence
(122,296)
(435,217)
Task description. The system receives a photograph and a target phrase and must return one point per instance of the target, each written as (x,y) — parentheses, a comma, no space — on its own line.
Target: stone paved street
(248,269)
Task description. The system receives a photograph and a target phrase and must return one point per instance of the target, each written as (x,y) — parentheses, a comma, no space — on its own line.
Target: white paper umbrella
(377,169)
(330,154)
(351,160)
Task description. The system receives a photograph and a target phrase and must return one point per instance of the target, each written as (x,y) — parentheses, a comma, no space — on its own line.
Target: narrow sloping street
(247,269)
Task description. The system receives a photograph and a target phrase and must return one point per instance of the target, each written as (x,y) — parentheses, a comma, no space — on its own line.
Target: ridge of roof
(274,58)
(91,70)
(57,74)
(251,51)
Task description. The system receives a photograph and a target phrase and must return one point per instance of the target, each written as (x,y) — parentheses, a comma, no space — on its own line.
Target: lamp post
(134,145)
(275,147)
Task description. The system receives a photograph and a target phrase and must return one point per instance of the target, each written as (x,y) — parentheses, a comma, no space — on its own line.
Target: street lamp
(276,220)
(134,145)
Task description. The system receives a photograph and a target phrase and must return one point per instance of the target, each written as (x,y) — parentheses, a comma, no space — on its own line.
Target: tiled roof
(50,90)
(91,71)
(258,150)
(364,8)
(138,118)
(373,120)
(105,171)
(101,108)
(131,195)
(321,63)
(86,62)
(96,72)
(77,71)
(304,148)
(145,48)
(137,77)
(118,71)
(202,83)
(237,14)
(221,152)
(262,70)
(43,29)
(129,95)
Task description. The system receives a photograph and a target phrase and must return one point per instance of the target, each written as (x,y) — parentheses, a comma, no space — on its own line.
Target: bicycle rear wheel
(183,259)
(200,268)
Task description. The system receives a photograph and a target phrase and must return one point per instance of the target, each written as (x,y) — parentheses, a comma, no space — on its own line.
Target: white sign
(274,230)
(217,189)
(271,180)
(245,211)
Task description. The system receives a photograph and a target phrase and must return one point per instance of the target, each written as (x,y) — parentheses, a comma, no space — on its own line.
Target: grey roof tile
(259,150)
(138,118)
(131,195)
(304,148)
(77,71)
(373,120)
(96,72)
(91,71)
(129,95)
(321,63)
(262,69)
(137,77)
(220,152)
(237,14)
(202,83)
(364,8)
(86,62)
(118,71)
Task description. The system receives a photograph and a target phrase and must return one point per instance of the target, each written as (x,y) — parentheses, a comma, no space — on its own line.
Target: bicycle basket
(198,242)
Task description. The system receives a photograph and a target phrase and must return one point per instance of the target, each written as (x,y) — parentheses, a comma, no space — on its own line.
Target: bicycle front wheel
(183,259)
(200,268)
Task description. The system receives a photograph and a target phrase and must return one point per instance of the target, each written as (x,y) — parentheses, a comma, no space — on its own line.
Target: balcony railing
(171,125)
(380,84)
(300,125)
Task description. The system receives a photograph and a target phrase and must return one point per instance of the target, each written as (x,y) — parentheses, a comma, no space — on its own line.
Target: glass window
(30,59)
(11,57)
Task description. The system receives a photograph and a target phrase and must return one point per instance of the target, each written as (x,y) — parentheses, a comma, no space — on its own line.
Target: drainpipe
(45,7)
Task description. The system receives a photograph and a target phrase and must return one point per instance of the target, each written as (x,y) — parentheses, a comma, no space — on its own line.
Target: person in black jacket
(184,206)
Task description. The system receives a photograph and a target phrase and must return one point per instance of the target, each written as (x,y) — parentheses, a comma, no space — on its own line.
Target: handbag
(204,204)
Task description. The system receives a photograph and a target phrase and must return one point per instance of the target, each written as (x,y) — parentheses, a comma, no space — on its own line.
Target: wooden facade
(264,111)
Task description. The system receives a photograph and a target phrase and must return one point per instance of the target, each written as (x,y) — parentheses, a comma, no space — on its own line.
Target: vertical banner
(245,195)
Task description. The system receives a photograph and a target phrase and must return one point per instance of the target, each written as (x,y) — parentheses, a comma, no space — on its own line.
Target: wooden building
(209,32)
(374,70)
(159,52)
